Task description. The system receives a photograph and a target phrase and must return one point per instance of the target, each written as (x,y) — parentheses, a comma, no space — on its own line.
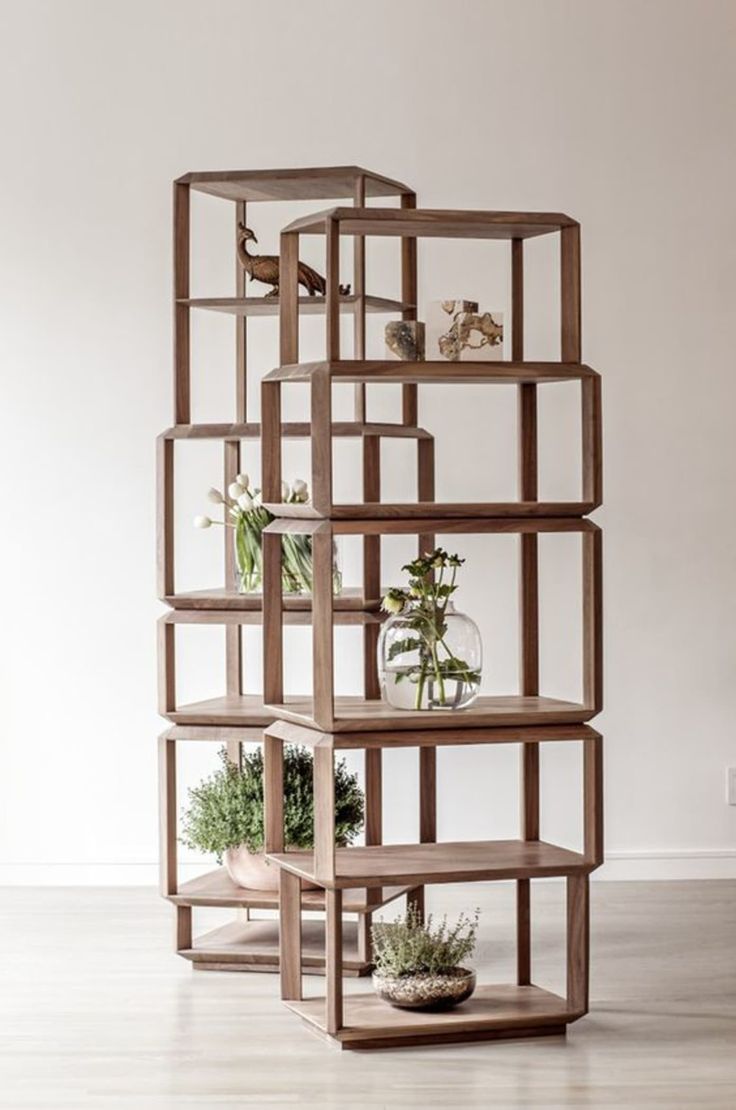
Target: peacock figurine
(265,268)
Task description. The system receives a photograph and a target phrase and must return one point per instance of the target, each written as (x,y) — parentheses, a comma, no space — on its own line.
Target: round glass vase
(427,667)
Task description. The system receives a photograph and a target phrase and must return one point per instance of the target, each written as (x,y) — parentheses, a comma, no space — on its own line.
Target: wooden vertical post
(593,800)
(593,620)
(233,632)
(570,302)
(182,353)
(425,486)
(241,331)
(273,794)
(166,666)
(324,810)
(592,448)
(273,620)
(371,564)
(183,936)
(321,441)
(332,240)
(164,516)
(168,879)
(528,605)
(409,295)
(322,628)
(578,943)
(373,835)
(271,441)
(359,309)
(289,299)
(290,935)
(333,970)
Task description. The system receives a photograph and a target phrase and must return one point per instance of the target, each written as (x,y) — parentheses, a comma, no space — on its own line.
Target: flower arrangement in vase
(248,518)
(429,656)
(418,963)
(225,813)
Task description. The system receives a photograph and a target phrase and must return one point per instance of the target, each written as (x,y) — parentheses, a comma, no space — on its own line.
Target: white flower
(245,501)
(202,522)
(244,480)
(235,489)
(215,496)
(392,604)
(299,489)
(285,491)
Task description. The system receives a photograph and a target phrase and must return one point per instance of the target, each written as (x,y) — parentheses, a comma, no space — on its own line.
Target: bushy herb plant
(226,810)
(410,946)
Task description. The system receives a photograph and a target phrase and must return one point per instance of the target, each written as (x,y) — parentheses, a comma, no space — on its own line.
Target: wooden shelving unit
(235,717)
(526,717)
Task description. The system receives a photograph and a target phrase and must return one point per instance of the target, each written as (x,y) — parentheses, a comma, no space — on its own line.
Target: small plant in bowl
(225,813)
(419,963)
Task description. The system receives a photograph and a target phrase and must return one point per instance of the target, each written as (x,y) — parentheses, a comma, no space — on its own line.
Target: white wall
(618,113)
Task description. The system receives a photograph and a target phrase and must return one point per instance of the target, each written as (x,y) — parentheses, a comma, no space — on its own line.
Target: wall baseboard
(653,865)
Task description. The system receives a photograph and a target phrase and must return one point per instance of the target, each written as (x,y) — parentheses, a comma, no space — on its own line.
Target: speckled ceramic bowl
(425,991)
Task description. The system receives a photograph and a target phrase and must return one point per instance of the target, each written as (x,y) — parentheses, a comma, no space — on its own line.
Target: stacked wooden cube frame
(329,724)
(237,718)
(513,1010)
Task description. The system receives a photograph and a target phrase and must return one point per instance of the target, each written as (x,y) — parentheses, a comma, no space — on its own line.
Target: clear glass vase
(436,667)
(296,562)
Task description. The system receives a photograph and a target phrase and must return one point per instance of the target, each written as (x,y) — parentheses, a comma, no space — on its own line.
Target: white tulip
(235,489)
(202,522)
(299,489)
(245,501)
(285,491)
(244,480)
(215,496)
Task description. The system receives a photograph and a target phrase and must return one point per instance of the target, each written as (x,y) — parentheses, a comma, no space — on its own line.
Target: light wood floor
(95,1012)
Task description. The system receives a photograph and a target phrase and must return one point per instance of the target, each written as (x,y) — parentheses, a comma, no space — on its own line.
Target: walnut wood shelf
(319,183)
(360,714)
(494,1012)
(216,888)
(308,306)
(444,223)
(254,946)
(455,862)
(349,600)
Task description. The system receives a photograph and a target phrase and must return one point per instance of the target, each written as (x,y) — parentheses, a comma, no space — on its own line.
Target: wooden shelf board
(451,862)
(440,510)
(254,946)
(348,600)
(498,1009)
(320,183)
(446,223)
(359,715)
(340,429)
(438,371)
(216,888)
(308,306)
(230,709)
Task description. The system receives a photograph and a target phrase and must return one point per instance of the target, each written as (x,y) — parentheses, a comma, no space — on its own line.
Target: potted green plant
(225,813)
(419,963)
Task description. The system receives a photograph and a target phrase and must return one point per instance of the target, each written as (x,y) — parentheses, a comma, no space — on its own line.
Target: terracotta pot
(252,871)
(425,991)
